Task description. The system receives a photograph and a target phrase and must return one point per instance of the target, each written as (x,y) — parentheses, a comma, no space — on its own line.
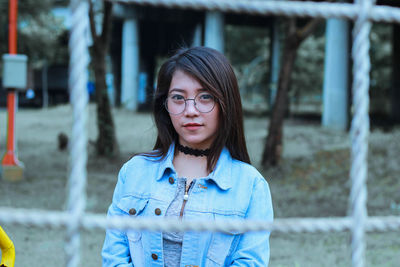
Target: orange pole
(10,157)
(12,27)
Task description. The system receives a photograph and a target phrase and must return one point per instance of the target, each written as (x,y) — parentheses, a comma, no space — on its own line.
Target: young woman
(199,169)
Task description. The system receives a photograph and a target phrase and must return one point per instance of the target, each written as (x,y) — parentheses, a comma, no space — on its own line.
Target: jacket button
(154,256)
(171,180)
(132,211)
(157,211)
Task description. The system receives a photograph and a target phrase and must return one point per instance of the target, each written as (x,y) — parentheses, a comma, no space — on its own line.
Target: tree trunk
(106,143)
(274,144)
(395,93)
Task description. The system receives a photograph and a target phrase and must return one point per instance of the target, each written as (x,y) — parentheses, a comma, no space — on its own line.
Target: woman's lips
(192,126)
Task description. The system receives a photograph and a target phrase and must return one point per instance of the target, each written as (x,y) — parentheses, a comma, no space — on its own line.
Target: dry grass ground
(311,182)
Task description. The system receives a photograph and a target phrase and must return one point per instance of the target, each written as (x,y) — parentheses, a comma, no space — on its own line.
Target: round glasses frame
(194,103)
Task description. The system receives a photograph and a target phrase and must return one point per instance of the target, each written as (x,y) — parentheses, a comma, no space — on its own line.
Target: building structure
(146,35)
(142,36)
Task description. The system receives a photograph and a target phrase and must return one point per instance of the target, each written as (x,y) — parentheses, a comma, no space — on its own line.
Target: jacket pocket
(136,247)
(133,235)
(222,244)
(132,205)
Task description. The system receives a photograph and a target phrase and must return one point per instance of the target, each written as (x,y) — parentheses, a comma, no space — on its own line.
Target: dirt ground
(311,182)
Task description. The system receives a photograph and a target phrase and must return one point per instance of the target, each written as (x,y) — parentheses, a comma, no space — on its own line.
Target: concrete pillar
(130,64)
(335,90)
(214,30)
(197,36)
(395,92)
(274,61)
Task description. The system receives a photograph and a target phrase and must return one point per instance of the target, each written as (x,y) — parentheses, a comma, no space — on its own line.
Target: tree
(295,35)
(39,32)
(106,143)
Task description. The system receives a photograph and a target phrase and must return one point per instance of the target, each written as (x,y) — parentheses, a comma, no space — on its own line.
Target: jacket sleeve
(253,247)
(115,250)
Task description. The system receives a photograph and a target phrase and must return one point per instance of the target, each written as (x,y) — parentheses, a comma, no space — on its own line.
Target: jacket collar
(166,163)
(221,175)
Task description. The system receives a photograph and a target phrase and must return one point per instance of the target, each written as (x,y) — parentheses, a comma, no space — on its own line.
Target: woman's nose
(191,107)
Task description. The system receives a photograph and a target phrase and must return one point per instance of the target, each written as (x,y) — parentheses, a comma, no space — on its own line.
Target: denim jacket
(234,190)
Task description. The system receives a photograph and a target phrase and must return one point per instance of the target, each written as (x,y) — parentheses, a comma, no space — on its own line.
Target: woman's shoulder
(148,158)
(135,174)
(248,183)
(235,168)
(246,170)
(247,177)
(141,164)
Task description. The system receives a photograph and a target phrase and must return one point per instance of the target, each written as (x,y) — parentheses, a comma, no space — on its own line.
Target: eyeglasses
(175,103)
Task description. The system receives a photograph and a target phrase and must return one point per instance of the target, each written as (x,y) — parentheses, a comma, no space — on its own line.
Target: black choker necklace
(192,151)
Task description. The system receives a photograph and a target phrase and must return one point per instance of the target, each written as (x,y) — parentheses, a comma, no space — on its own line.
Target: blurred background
(296,69)
(254,44)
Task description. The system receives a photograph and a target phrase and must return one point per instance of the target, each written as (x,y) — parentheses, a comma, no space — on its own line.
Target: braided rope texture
(282,8)
(359,131)
(59,219)
(78,156)
(74,219)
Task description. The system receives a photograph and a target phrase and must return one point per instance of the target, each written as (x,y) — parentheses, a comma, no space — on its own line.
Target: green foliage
(41,36)
(248,50)
(27,9)
(381,60)
(244,43)
(307,75)
(381,67)
(41,40)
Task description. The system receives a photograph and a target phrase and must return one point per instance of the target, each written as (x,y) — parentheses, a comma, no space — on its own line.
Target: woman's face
(195,129)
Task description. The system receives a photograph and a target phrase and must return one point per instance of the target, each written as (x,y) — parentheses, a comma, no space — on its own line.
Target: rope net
(363,12)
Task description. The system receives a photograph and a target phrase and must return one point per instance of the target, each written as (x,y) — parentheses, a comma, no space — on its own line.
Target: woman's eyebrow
(177,90)
(184,91)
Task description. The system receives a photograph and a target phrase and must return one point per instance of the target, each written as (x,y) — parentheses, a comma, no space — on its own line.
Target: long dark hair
(214,73)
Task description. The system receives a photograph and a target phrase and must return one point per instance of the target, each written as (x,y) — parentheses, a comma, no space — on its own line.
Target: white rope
(59,219)
(359,131)
(282,8)
(363,12)
(78,157)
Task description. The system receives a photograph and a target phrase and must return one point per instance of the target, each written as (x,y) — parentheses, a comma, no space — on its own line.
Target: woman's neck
(190,166)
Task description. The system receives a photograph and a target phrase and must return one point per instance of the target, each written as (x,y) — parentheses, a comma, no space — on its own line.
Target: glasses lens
(175,104)
(204,102)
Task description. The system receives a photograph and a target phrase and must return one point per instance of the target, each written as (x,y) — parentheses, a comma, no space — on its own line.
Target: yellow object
(13,173)
(7,250)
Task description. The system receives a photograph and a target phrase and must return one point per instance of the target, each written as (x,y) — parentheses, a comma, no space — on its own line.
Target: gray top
(172,241)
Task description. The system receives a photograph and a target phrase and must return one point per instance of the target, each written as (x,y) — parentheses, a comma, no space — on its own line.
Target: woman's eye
(206,97)
(177,97)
